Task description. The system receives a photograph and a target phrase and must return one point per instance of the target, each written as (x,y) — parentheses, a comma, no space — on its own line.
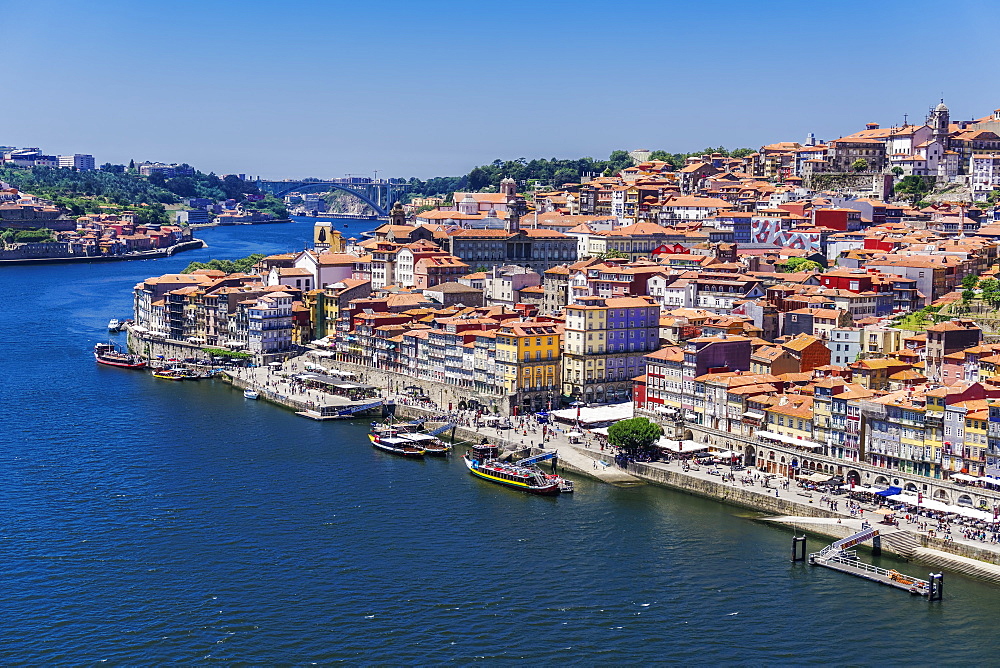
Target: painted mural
(769,231)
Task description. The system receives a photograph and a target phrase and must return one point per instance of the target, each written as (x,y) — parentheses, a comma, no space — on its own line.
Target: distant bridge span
(379,195)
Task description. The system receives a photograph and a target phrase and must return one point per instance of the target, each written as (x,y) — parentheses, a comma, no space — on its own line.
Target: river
(148,522)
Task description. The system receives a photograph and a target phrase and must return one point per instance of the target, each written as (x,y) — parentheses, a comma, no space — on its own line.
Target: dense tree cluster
(553,172)
(240,266)
(94,191)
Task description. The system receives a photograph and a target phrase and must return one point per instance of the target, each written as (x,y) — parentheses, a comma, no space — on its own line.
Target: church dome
(941,106)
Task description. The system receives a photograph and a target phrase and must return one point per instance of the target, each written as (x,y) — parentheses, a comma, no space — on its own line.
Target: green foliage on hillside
(270,204)
(11,235)
(918,186)
(113,188)
(552,172)
(240,266)
(678,159)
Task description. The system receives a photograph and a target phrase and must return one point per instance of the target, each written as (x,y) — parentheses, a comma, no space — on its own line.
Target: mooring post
(876,546)
(798,548)
(936,592)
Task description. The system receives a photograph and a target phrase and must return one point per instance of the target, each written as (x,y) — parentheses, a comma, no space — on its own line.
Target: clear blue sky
(433,88)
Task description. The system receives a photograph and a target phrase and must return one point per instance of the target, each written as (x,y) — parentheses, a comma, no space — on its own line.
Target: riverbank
(767,496)
(193,244)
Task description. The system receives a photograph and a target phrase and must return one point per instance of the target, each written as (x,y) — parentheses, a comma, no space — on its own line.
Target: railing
(894,576)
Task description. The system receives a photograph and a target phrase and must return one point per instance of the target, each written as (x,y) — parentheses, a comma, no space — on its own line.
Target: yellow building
(528,353)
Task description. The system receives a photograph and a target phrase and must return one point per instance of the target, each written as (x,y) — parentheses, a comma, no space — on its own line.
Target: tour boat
(250,394)
(114,325)
(482,462)
(169,374)
(108,353)
(432,444)
(396,445)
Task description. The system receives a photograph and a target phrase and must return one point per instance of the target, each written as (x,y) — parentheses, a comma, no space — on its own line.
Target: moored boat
(482,462)
(108,353)
(250,393)
(433,445)
(169,374)
(396,445)
(114,324)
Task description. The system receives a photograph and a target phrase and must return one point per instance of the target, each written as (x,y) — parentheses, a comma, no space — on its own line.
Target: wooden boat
(433,445)
(169,374)
(482,462)
(108,353)
(396,445)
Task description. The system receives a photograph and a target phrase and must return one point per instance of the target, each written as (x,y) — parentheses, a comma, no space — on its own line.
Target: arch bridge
(378,194)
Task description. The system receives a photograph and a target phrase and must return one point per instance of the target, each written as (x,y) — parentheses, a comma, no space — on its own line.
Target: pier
(839,557)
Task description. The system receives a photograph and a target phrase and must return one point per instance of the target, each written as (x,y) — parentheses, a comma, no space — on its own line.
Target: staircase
(953,562)
(901,542)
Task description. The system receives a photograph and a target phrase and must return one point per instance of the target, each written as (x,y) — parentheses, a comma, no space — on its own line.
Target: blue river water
(147,522)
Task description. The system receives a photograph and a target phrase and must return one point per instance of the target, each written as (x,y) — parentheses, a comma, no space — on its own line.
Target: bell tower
(322,233)
(939,120)
(396,215)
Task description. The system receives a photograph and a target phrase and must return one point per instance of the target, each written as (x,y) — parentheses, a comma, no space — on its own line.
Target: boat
(482,462)
(433,445)
(114,325)
(391,425)
(169,374)
(250,394)
(396,445)
(108,353)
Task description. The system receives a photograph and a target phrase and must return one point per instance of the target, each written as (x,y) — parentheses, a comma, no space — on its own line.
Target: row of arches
(781,464)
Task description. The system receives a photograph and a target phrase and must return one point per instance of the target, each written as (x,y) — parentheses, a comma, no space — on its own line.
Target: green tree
(795,264)
(612,254)
(990,291)
(970,282)
(898,171)
(239,266)
(859,165)
(635,436)
(968,295)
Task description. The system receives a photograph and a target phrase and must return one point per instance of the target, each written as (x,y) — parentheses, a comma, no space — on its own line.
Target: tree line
(118,186)
(553,172)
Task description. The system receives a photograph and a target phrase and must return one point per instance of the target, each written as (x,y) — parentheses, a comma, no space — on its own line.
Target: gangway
(441,430)
(839,557)
(545,456)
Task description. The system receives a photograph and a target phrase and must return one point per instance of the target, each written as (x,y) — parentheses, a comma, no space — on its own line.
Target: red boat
(108,353)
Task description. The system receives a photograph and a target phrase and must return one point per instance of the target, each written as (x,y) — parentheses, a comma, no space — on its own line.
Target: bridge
(379,194)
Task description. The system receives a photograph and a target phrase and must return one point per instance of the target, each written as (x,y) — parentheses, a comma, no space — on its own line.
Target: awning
(892,491)
(756,415)
(681,446)
(798,442)
(964,476)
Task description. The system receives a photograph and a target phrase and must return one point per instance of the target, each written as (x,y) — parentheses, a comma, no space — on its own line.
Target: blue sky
(434,88)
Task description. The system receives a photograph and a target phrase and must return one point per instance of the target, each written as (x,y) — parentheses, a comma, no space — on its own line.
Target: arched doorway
(749,456)
(910,487)
(965,500)
(942,495)
(882,480)
(853,477)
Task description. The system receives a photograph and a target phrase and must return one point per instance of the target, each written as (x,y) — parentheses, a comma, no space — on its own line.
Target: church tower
(939,120)
(517,208)
(396,215)
(508,187)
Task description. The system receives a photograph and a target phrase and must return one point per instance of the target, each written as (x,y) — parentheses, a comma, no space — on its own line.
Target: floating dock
(839,557)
